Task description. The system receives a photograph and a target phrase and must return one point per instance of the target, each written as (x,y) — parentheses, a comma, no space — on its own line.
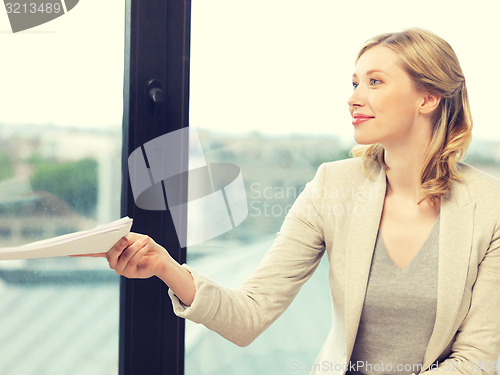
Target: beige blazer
(339,212)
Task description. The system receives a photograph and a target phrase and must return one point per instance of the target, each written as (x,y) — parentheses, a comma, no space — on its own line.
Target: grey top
(398,313)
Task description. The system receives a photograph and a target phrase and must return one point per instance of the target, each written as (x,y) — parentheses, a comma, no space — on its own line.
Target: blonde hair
(433,66)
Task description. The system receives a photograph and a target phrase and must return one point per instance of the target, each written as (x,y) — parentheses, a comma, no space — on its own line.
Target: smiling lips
(358,118)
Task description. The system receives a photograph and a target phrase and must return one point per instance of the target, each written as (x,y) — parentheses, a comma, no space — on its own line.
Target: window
(156,49)
(60,137)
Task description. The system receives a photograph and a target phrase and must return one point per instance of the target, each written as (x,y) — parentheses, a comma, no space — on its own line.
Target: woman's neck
(404,173)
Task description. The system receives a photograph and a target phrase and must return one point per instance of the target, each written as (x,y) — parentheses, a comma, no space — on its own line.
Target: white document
(97,240)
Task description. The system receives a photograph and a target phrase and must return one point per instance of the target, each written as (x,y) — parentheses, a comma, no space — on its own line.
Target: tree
(73,182)
(6,168)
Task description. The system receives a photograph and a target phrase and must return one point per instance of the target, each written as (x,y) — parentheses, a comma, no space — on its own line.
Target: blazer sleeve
(241,315)
(476,347)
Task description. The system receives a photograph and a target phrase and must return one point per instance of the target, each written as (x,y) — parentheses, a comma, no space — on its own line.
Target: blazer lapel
(362,235)
(455,243)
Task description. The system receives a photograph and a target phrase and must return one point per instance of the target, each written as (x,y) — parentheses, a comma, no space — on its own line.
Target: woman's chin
(362,139)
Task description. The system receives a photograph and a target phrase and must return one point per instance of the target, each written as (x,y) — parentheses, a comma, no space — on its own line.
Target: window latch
(156,103)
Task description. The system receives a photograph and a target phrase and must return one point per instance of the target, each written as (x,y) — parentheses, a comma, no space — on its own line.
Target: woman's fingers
(132,267)
(127,254)
(134,256)
(114,253)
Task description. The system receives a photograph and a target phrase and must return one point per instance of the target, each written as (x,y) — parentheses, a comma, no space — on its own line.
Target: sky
(275,66)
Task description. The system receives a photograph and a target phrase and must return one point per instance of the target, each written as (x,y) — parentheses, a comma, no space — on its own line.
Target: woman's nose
(355,100)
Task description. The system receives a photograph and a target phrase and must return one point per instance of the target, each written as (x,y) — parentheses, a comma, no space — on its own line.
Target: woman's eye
(354,85)
(374,81)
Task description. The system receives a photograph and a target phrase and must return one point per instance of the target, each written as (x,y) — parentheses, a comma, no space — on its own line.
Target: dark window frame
(157,41)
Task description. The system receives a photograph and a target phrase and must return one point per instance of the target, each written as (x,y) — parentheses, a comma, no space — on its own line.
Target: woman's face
(385,103)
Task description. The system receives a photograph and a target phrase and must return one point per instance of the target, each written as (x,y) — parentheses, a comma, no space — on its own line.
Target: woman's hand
(140,257)
(137,256)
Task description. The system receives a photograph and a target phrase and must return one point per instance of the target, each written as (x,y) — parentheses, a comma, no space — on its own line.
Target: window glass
(60,172)
(269,88)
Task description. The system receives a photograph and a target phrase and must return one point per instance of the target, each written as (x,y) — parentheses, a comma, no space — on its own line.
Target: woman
(414,252)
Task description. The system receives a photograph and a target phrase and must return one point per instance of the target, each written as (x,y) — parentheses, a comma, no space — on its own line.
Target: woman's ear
(429,103)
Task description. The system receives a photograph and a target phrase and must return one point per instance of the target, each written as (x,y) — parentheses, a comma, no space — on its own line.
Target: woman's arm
(240,315)
(476,347)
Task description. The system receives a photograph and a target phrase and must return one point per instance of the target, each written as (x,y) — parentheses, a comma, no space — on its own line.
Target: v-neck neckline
(431,237)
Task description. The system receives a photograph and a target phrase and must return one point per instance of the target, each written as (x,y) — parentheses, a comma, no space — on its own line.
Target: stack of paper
(97,240)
